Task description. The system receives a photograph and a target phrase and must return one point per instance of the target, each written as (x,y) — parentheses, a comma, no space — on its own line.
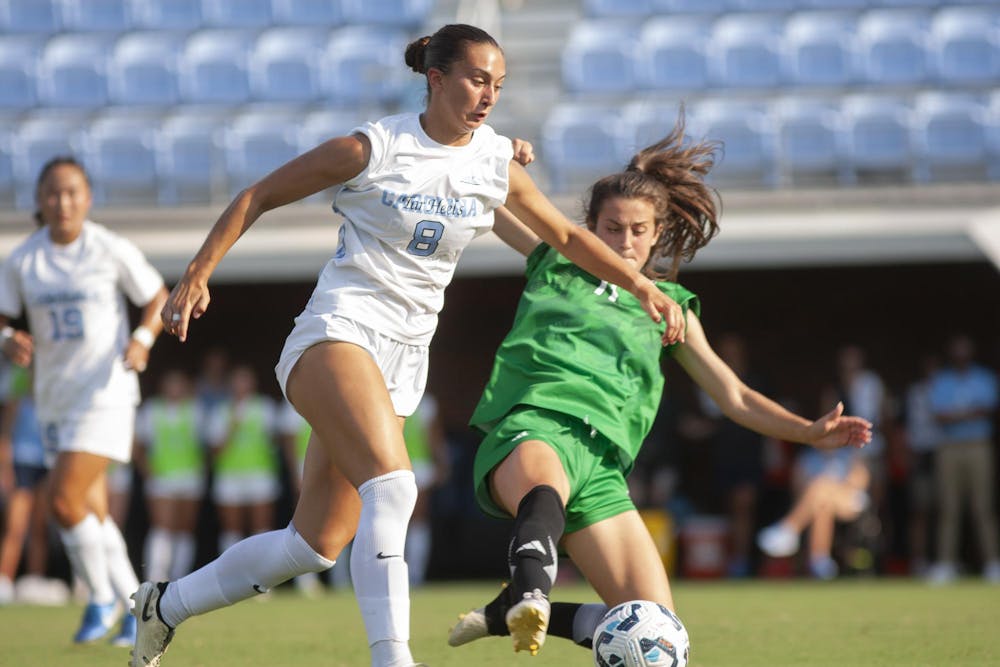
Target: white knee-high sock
(182,559)
(159,544)
(84,545)
(378,569)
(120,570)
(418,550)
(248,568)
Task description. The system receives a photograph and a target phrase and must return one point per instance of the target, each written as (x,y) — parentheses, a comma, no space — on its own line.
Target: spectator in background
(171,459)
(963,399)
(241,434)
(923,436)
(212,385)
(119,491)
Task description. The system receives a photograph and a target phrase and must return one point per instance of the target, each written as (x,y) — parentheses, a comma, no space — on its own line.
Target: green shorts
(597,488)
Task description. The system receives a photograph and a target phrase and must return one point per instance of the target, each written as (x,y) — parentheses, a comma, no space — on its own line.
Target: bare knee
(67,509)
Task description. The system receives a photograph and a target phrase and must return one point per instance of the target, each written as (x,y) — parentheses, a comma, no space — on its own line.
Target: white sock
(378,569)
(159,544)
(246,569)
(182,559)
(84,545)
(120,570)
(418,550)
(227,539)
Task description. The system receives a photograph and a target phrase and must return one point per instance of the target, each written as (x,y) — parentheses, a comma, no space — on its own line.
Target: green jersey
(174,445)
(582,347)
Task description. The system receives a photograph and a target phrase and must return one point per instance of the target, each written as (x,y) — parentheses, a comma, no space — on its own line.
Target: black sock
(496,613)
(538,527)
(561,619)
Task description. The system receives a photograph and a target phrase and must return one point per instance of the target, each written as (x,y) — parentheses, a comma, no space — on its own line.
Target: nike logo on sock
(382,556)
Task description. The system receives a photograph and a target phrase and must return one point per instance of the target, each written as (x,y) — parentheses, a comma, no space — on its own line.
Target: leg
(949,504)
(185,520)
(18,515)
(38,535)
(261,517)
(981,481)
(742,509)
(160,539)
(230,525)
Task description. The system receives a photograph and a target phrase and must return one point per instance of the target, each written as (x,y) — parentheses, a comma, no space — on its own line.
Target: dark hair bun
(415,54)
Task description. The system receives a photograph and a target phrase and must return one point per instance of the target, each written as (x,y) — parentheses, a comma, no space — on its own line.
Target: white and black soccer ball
(641,634)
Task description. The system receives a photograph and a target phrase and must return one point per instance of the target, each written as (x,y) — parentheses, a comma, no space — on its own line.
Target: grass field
(862,622)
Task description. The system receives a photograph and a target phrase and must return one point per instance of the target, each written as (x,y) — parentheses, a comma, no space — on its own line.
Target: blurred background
(859,171)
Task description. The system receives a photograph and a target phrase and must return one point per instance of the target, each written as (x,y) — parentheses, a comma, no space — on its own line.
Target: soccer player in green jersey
(573,392)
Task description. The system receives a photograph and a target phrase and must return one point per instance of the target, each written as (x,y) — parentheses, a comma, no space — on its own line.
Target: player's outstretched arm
(757,412)
(329,164)
(18,345)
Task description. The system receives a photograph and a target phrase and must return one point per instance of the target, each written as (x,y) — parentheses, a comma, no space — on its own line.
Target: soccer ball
(640,634)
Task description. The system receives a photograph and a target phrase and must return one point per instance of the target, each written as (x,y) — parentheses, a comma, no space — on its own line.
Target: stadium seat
(38,138)
(892,46)
(29,16)
(645,122)
(808,141)
(745,132)
(213,67)
(581,142)
(395,13)
(837,4)
(763,5)
(744,51)
(18,57)
(143,68)
(617,8)
(876,137)
(242,14)
(363,64)
(600,57)
(819,49)
(7,189)
(167,14)
(674,7)
(317,13)
(319,126)
(119,152)
(965,45)
(72,71)
(284,64)
(949,137)
(96,15)
(188,155)
(671,53)
(258,142)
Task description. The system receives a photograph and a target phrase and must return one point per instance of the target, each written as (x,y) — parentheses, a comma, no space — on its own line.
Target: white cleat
(528,621)
(470,627)
(778,540)
(152,634)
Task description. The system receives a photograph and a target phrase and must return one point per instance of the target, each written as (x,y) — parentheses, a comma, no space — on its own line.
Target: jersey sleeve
(10,289)
(378,138)
(136,276)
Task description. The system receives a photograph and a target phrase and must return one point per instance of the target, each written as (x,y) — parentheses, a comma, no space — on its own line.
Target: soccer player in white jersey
(417,188)
(70,278)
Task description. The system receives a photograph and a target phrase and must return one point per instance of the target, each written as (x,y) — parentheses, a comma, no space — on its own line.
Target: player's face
(628,226)
(64,201)
(466,94)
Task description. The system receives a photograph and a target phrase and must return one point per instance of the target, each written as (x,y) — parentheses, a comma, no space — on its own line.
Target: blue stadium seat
(119,152)
(744,51)
(912,3)
(891,46)
(671,53)
(361,64)
(745,131)
(837,4)
(307,12)
(600,57)
(993,135)
(29,16)
(214,67)
(819,49)
(950,135)
(73,71)
(258,142)
(808,141)
(18,58)
(395,13)
(232,14)
(167,14)
(40,137)
(580,143)
(763,5)
(672,7)
(877,135)
(645,122)
(143,68)
(99,15)
(284,64)
(319,126)
(965,44)
(7,189)
(188,155)
(617,8)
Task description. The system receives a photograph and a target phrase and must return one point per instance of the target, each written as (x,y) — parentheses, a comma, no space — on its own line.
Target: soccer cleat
(778,540)
(126,634)
(528,621)
(152,634)
(97,622)
(470,627)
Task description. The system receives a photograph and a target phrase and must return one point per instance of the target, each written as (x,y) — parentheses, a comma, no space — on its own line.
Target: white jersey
(407,218)
(77,316)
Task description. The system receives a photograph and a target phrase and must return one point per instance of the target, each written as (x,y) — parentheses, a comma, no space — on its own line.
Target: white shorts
(404,367)
(189,486)
(107,432)
(249,488)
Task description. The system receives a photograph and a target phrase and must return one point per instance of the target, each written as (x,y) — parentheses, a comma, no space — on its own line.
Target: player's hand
(661,307)
(136,356)
(524,152)
(189,299)
(834,430)
(19,348)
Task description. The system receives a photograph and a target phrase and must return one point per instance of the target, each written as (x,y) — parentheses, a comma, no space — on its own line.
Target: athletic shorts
(107,432)
(597,482)
(250,488)
(403,366)
(189,486)
(28,476)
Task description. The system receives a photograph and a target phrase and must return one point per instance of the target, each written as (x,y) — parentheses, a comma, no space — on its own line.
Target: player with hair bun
(573,393)
(416,189)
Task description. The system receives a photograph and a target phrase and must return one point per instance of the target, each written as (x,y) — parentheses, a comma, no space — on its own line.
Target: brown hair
(669,174)
(57,161)
(446,46)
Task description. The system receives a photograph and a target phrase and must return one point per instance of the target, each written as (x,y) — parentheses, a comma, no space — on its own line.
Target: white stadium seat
(214,67)
(143,68)
(284,64)
(363,65)
(73,71)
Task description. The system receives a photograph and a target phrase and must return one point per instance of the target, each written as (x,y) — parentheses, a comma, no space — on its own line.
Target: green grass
(862,622)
